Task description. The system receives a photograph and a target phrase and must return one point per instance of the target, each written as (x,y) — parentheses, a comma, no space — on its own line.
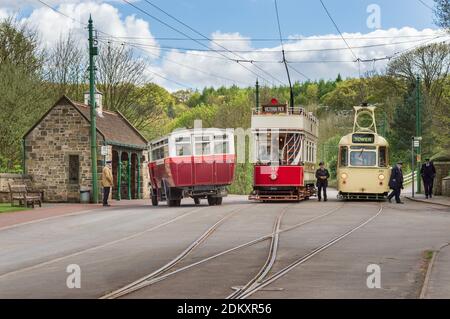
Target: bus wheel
(218,200)
(211,201)
(197,201)
(154,200)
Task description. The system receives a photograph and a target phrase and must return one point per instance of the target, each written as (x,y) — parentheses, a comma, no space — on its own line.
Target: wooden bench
(25,196)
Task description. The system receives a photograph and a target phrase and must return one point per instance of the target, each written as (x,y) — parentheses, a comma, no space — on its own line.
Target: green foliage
(203,112)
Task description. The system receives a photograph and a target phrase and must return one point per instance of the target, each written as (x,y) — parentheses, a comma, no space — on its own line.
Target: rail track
(130,287)
(162,274)
(259,282)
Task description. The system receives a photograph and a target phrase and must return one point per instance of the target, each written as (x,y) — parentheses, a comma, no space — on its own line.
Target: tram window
(382,156)
(343,159)
(363,158)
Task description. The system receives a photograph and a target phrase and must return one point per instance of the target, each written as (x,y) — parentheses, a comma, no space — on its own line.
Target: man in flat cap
(428,173)
(107,182)
(396,182)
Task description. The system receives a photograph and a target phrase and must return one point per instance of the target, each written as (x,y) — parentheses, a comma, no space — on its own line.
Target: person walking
(322,176)
(107,182)
(396,183)
(428,173)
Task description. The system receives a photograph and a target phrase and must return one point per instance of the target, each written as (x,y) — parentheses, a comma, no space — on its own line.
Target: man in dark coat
(428,172)
(322,176)
(396,182)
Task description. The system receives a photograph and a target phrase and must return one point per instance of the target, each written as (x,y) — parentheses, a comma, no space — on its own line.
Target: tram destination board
(274,108)
(362,138)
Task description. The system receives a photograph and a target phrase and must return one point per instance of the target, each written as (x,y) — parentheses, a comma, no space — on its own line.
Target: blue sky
(256,18)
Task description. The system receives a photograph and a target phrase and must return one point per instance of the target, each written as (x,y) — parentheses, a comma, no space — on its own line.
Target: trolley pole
(418,132)
(257,96)
(92,52)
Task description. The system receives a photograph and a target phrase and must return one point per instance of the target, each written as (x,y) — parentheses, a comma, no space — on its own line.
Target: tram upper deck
(284,118)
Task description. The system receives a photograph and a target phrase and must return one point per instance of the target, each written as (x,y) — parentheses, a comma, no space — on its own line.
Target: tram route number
(225,309)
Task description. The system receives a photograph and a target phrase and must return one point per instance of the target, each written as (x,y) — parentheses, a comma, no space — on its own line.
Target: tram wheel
(197,201)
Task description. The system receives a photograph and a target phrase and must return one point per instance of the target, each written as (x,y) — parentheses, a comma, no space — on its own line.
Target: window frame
(73,181)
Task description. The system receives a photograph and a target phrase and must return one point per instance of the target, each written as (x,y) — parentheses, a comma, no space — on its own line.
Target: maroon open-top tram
(285,147)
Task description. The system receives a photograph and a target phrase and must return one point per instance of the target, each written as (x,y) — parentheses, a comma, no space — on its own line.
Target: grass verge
(6,208)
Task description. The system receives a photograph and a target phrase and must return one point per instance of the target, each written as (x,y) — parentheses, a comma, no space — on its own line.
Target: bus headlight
(381,177)
(344,175)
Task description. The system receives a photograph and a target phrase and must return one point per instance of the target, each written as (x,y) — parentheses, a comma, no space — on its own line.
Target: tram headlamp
(381,177)
(344,175)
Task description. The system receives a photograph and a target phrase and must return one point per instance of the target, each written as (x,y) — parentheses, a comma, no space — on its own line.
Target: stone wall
(442,171)
(61,133)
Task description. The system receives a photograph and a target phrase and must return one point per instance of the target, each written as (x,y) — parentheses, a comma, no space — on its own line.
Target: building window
(74,169)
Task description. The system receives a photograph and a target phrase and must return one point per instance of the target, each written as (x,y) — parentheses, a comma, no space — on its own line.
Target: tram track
(103,245)
(124,290)
(263,282)
(273,236)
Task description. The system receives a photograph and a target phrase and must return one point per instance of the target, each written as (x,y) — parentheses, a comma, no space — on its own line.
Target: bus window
(202,145)
(343,158)
(221,145)
(382,156)
(183,146)
(363,158)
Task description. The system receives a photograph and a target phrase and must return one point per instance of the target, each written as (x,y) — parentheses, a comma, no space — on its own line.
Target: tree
(66,68)
(19,45)
(442,13)
(119,72)
(432,64)
(23,95)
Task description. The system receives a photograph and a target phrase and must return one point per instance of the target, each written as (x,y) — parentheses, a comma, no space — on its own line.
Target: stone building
(57,152)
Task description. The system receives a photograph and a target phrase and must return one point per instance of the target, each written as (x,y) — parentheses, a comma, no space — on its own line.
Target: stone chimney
(98,101)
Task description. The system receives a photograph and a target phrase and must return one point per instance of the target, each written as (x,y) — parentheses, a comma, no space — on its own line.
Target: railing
(407,179)
(298,110)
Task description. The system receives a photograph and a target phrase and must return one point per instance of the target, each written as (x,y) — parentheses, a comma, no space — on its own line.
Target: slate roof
(113,126)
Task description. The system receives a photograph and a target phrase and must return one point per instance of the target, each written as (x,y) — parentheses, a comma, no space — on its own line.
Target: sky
(243,30)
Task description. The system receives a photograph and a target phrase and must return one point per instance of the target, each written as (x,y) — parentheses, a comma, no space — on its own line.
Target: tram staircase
(293,149)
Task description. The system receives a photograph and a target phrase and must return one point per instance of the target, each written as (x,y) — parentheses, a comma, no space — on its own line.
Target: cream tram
(196,163)
(284,148)
(363,167)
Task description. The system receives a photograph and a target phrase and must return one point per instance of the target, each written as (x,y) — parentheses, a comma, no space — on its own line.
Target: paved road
(115,247)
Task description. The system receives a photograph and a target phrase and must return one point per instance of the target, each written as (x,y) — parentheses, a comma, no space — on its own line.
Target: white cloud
(107,19)
(371,45)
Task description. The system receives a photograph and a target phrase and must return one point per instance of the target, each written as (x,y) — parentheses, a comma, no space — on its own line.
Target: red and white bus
(285,148)
(195,163)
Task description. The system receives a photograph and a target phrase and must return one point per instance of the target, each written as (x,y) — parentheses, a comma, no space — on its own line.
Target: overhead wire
(188,36)
(211,40)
